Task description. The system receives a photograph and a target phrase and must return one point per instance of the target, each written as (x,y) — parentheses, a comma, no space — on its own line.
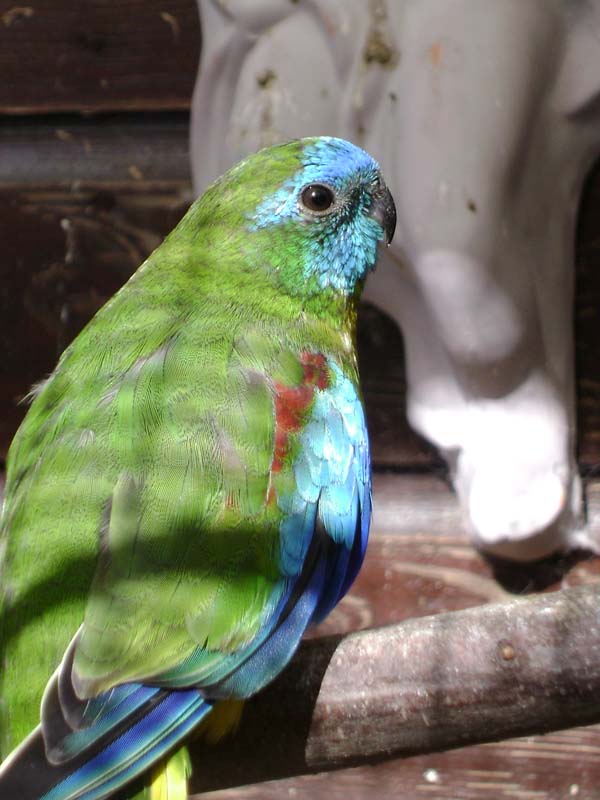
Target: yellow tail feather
(223,720)
(169,779)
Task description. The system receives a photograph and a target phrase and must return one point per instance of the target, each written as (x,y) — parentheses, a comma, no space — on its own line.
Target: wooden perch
(491,672)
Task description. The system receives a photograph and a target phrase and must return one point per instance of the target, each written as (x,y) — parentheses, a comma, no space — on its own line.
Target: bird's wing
(208,542)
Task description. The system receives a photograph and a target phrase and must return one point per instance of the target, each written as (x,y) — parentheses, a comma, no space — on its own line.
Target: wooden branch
(486,673)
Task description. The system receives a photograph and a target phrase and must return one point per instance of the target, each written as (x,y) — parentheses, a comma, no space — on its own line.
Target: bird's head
(314,209)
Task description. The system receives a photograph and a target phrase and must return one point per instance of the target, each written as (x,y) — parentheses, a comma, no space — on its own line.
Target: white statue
(485,116)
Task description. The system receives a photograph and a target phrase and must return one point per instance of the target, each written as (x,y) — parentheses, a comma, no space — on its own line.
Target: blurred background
(94,171)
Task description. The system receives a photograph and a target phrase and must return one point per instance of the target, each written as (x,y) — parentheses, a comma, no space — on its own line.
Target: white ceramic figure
(485,116)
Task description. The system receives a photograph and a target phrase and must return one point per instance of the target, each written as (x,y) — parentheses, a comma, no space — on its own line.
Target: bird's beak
(384,211)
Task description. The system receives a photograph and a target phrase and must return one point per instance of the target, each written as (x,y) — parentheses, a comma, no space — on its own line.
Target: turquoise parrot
(190,488)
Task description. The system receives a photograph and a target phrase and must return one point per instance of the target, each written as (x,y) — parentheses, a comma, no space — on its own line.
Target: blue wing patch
(333,489)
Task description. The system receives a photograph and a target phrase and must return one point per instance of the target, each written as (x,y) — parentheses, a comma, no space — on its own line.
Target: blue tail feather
(126,757)
(119,706)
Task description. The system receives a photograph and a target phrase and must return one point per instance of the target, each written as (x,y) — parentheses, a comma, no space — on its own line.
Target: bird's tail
(121,756)
(169,779)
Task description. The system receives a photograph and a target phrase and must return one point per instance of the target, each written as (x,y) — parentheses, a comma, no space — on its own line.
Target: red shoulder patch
(292,402)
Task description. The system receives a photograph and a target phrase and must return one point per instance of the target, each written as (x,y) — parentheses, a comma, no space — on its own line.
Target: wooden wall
(93,172)
(97,55)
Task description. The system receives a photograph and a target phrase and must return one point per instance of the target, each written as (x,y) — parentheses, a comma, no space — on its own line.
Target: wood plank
(558,766)
(97,55)
(140,152)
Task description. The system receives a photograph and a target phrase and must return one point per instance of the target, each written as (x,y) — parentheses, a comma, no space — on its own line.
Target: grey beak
(384,211)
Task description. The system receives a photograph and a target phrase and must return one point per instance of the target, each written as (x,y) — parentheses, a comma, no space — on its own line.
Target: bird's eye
(317,197)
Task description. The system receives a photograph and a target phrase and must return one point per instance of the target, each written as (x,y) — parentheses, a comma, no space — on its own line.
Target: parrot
(190,488)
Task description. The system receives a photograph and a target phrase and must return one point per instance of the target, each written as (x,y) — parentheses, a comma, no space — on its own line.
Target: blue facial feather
(343,248)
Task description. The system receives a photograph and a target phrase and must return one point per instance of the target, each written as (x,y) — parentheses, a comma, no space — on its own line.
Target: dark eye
(317,197)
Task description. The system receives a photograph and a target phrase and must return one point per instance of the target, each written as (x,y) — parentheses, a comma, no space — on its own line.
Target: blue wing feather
(333,490)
